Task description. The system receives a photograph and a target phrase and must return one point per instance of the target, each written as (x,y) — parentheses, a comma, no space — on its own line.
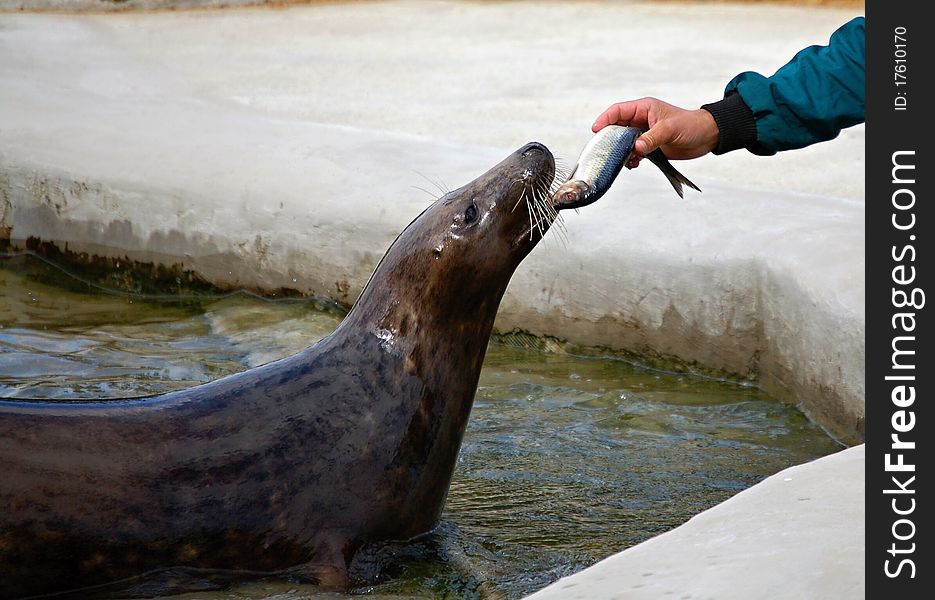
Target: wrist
(734,122)
(708,131)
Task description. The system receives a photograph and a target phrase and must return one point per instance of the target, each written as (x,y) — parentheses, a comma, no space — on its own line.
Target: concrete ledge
(798,534)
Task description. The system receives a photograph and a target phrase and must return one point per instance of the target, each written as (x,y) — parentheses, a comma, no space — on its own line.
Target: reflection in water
(565,460)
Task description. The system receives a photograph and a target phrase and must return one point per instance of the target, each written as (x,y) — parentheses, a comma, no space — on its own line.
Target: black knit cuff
(735,123)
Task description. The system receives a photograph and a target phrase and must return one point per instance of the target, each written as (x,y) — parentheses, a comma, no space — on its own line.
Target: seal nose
(533,148)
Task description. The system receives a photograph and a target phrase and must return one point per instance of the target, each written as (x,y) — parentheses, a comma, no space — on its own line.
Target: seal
(291,467)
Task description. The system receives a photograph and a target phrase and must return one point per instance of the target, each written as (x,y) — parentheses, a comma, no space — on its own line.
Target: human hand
(681,133)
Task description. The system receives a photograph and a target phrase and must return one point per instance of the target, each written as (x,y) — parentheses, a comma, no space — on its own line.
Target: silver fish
(601,161)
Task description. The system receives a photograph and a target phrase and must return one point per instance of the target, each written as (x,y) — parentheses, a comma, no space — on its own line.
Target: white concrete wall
(283,148)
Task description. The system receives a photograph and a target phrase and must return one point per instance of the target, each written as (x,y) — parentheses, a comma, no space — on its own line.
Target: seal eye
(470,215)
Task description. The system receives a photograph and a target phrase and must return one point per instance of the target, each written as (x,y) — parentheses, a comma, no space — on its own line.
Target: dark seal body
(294,465)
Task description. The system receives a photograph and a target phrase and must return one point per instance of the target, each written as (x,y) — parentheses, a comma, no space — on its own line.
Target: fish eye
(470,214)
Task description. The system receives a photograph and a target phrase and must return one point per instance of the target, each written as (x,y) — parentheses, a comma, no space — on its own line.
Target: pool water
(565,461)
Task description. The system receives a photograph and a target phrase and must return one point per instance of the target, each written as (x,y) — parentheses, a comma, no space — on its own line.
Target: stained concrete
(286,148)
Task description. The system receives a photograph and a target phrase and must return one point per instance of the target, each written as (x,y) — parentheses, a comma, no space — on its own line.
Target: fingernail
(641,146)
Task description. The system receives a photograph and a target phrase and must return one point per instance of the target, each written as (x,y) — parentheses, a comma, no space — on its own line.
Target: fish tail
(675,178)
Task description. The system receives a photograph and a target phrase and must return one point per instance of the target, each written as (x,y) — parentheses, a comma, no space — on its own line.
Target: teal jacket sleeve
(808,100)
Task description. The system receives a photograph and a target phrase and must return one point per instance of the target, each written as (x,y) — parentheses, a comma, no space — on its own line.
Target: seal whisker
(533,220)
(561,232)
(517,203)
(521,197)
(529,212)
(422,189)
(542,199)
(562,166)
(562,171)
(557,181)
(534,214)
(524,196)
(443,189)
(540,216)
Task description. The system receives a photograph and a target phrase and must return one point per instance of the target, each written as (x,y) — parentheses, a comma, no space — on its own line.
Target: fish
(601,161)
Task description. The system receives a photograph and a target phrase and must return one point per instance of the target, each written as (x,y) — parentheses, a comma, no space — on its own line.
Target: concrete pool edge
(807,520)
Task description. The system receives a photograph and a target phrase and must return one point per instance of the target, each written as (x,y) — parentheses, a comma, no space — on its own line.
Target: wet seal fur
(294,466)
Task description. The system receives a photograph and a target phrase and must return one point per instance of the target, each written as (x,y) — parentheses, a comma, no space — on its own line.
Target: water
(565,459)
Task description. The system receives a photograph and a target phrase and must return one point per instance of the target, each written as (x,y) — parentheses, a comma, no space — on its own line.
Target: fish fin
(675,178)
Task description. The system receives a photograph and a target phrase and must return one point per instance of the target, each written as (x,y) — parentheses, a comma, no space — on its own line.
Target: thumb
(658,135)
(646,143)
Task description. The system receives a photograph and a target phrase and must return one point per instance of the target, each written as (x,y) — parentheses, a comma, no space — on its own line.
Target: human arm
(810,99)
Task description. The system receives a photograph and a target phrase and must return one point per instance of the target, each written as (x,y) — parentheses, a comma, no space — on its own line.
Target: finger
(659,134)
(621,113)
